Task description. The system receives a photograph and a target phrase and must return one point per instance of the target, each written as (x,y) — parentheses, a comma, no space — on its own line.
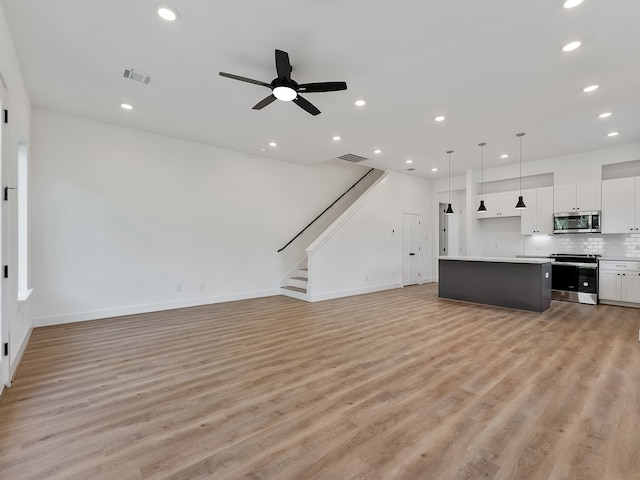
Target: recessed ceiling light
(571,46)
(336,138)
(613,134)
(604,115)
(377,152)
(434,169)
(273,144)
(439,118)
(167,13)
(126,106)
(590,88)
(572,3)
(360,103)
(504,155)
(409,161)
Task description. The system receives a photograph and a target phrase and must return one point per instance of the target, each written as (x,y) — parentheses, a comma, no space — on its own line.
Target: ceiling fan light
(286,94)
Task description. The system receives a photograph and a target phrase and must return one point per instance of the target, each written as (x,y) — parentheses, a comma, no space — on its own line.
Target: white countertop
(619,259)
(499,259)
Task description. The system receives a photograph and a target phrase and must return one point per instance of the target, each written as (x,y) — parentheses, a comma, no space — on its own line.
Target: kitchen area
(589,231)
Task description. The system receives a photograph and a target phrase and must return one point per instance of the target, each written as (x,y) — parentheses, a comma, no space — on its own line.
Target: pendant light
(482,207)
(520,205)
(449,210)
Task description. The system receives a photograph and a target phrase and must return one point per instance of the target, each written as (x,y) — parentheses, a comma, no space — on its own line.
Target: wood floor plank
(392,385)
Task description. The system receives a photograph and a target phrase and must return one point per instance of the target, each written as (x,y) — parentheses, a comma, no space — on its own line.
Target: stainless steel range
(574,277)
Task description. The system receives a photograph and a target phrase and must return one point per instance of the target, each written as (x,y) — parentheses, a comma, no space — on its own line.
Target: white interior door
(443,231)
(5,377)
(410,249)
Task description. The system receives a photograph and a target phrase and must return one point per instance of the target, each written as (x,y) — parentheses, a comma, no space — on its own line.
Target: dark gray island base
(520,283)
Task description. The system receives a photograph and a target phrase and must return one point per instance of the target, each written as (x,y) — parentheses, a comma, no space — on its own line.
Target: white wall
(123,219)
(365,253)
(16,316)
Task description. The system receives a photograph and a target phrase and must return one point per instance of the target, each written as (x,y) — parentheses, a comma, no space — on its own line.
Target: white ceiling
(493,68)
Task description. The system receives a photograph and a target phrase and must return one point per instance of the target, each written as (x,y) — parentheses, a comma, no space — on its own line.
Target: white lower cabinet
(619,282)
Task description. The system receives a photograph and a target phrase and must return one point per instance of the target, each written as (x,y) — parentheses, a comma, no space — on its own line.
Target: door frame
(5,360)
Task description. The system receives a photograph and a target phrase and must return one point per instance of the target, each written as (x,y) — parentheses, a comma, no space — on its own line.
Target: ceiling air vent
(136,76)
(410,169)
(352,157)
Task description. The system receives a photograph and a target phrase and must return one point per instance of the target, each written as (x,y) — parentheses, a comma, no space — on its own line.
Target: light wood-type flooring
(392,385)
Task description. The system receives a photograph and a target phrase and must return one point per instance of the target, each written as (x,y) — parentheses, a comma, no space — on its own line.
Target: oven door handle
(592,266)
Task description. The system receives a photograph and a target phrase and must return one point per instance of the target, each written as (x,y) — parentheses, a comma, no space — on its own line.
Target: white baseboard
(135,309)
(349,293)
(16,361)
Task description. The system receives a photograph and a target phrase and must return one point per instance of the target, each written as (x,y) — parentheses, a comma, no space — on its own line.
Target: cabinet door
(508,202)
(544,212)
(610,285)
(618,210)
(564,198)
(588,196)
(492,202)
(630,287)
(636,223)
(529,217)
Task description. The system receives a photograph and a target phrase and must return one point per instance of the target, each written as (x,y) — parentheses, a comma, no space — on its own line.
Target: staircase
(297,285)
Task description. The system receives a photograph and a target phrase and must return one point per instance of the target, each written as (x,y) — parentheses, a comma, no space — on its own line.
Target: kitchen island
(520,283)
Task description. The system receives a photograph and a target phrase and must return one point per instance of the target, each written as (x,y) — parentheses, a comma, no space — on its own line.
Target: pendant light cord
(449,152)
(482,166)
(520,135)
(520,165)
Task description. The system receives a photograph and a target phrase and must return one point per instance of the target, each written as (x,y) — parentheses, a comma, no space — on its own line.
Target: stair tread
(295,289)
(304,279)
(304,269)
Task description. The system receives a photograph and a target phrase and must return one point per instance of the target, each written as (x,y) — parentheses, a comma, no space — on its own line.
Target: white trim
(357,291)
(135,309)
(23,295)
(13,366)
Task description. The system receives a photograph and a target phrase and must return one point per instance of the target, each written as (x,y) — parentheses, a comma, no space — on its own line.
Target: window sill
(23,295)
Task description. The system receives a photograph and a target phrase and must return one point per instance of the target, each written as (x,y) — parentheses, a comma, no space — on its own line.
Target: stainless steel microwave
(576,222)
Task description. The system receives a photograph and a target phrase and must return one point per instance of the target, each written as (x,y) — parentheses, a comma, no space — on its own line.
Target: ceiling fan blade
(244,79)
(306,105)
(283,66)
(264,102)
(322,87)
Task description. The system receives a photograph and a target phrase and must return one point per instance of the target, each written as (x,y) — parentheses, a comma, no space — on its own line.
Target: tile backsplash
(617,246)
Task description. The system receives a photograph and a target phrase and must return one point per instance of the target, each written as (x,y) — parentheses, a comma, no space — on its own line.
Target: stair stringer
(334,228)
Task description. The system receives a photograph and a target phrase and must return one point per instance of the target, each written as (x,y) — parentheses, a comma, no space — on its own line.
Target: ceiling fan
(285,89)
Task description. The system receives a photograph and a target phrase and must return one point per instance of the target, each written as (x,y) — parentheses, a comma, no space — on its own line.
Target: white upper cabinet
(621,205)
(537,218)
(577,197)
(499,205)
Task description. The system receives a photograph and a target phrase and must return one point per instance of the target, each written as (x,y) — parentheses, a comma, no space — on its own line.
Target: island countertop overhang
(498,259)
